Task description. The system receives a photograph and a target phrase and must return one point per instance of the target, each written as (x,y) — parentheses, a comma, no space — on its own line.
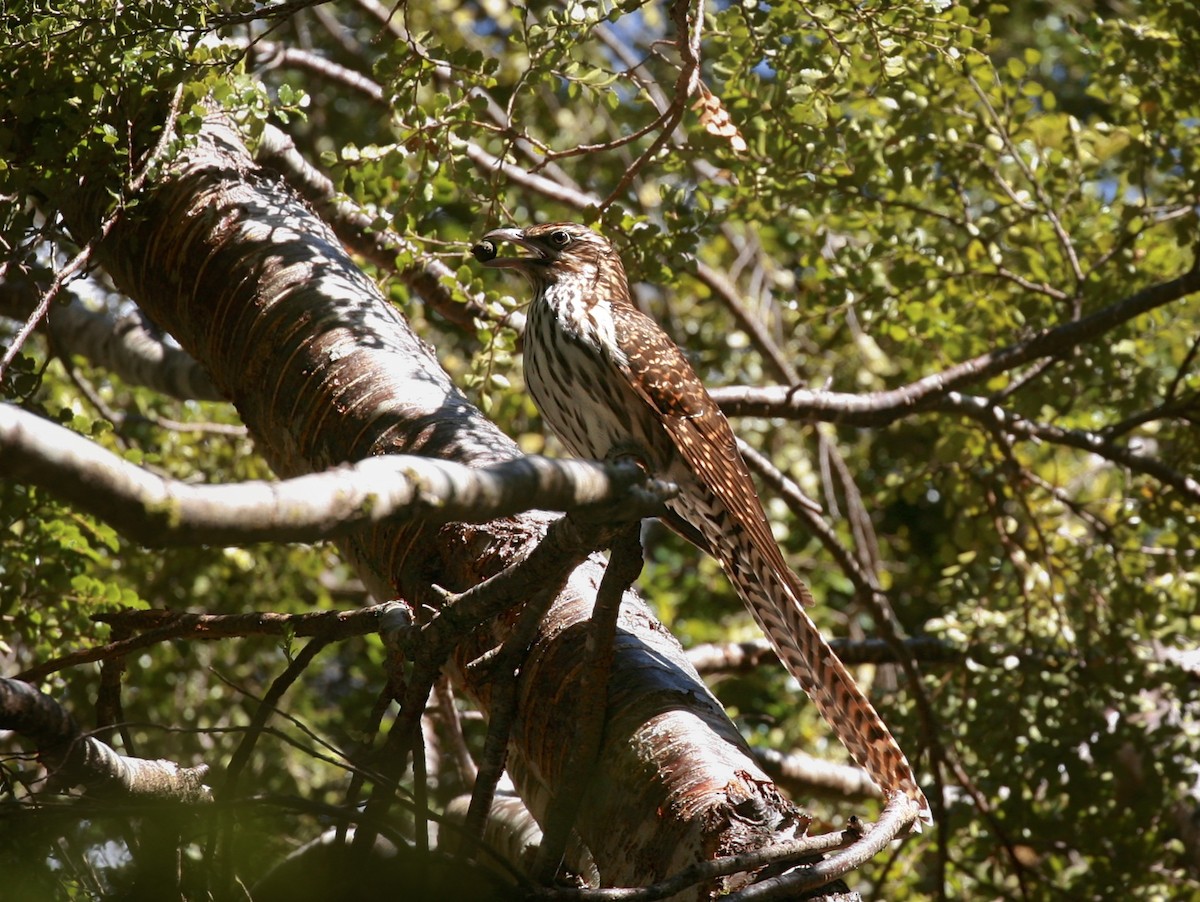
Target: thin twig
(241,755)
(689,77)
(467,770)
(166,626)
(993,416)
(725,289)
(885,407)
(504,670)
(569,543)
(1002,131)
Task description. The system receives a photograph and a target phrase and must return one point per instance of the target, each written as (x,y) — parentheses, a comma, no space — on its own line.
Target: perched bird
(610,383)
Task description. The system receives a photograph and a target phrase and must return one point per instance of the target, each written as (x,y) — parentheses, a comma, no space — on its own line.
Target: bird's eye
(560,238)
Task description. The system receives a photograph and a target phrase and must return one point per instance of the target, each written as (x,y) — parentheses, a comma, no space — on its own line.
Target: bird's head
(555,249)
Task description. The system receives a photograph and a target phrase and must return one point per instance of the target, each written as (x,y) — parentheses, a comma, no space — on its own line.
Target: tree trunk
(322,370)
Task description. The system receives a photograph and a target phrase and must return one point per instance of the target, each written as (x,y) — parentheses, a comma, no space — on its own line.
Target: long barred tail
(822,675)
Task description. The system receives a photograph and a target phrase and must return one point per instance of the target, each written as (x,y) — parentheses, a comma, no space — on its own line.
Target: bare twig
(536,579)
(79,262)
(573,541)
(504,667)
(467,770)
(1184,367)
(83,259)
(724,287)
(266,707)
(165,626)
(241,755)
(995,417)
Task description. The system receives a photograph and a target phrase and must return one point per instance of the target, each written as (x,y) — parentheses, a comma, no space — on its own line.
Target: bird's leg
(624,566)
(628,455)
(611,514)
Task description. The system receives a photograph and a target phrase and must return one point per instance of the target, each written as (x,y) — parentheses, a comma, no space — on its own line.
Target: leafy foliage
(921,184)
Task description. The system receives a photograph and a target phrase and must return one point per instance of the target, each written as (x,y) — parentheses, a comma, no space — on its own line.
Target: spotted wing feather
(662,377)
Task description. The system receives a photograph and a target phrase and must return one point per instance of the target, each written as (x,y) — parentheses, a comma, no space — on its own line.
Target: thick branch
(427,277)
(76,759)
(812,773)
(121,344)
(155,511)
(739,657)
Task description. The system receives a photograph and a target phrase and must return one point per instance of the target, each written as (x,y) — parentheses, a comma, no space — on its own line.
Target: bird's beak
(485,251)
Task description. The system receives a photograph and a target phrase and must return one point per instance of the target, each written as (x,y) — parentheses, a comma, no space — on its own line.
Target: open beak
(485,251)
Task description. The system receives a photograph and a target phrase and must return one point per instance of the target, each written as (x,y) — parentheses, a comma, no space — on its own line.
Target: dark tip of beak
(487,253)
(484,251)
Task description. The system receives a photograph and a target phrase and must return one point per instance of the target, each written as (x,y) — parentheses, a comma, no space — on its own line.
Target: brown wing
(661,375)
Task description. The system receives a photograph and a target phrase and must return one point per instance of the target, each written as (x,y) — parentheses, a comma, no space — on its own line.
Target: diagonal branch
(992,415)
(624,567)
(156,511)
(885,407)
(77,759)
(689,22)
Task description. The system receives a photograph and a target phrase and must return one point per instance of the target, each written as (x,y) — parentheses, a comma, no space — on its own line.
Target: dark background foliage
(911,186)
